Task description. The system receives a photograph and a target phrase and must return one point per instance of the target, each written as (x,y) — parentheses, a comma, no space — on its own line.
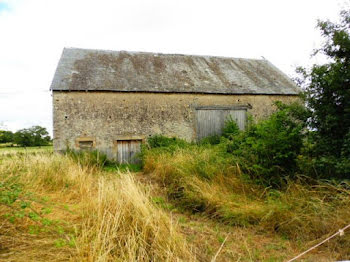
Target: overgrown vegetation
(256,177)
(96,159)
(54,208)
(204,180)
(268,151)
(87,214)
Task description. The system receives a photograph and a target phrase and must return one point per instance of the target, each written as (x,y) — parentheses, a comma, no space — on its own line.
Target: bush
(230,129)
(163,141)
(268,150)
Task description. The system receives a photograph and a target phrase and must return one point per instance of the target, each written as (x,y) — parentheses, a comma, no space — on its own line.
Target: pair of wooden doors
(210,121)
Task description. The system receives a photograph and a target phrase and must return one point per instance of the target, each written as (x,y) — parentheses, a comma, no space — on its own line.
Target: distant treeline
(33,136)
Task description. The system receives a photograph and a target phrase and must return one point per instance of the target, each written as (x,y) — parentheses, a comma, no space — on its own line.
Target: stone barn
(112,101)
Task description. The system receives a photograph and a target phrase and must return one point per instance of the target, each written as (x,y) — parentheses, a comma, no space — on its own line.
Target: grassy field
(56,208)
(13,150)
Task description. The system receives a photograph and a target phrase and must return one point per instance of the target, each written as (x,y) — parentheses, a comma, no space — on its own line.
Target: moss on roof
(121,71)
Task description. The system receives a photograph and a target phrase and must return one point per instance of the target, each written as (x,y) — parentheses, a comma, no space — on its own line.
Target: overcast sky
(34,32)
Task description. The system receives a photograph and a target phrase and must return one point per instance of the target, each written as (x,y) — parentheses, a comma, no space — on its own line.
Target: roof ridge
(163,54)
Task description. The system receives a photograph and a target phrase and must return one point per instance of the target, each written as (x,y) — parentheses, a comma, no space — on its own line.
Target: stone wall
(106,116)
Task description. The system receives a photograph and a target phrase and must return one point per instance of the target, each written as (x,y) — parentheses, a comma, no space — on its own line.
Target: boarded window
(86,145)
(210,121)
(127,150)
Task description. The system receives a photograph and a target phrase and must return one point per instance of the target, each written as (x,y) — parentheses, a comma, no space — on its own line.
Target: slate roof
(121,71)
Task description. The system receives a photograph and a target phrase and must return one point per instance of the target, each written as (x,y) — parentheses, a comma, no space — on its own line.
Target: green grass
(15,149)
(115,167)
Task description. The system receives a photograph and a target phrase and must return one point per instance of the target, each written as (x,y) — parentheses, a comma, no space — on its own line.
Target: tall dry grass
(109,216)
(303,212)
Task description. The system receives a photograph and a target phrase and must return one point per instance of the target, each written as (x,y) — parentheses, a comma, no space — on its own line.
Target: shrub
(230,129)
(268,150)
(163,141)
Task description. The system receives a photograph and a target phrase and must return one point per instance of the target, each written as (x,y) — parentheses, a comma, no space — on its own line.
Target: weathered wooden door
(211,121)
(127,151)
(240,116)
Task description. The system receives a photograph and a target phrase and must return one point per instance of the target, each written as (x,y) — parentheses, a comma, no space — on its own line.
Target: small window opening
(86,144)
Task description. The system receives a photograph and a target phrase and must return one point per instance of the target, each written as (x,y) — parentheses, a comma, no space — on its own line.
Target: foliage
(6,136)
(34,136)
(163,144)
(230,129)
(163,141)
(269,149)
(25,205)
(327,93)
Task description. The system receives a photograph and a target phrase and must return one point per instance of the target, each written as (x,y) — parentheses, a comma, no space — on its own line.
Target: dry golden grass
(110,216)
(304,214)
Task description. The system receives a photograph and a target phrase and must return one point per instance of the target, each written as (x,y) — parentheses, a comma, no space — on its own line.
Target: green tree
(6,136)
(327,91)
(34,136)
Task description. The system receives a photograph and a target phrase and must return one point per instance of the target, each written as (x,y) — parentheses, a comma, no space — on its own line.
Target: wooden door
(127,151)
(240,116)
(211,121)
